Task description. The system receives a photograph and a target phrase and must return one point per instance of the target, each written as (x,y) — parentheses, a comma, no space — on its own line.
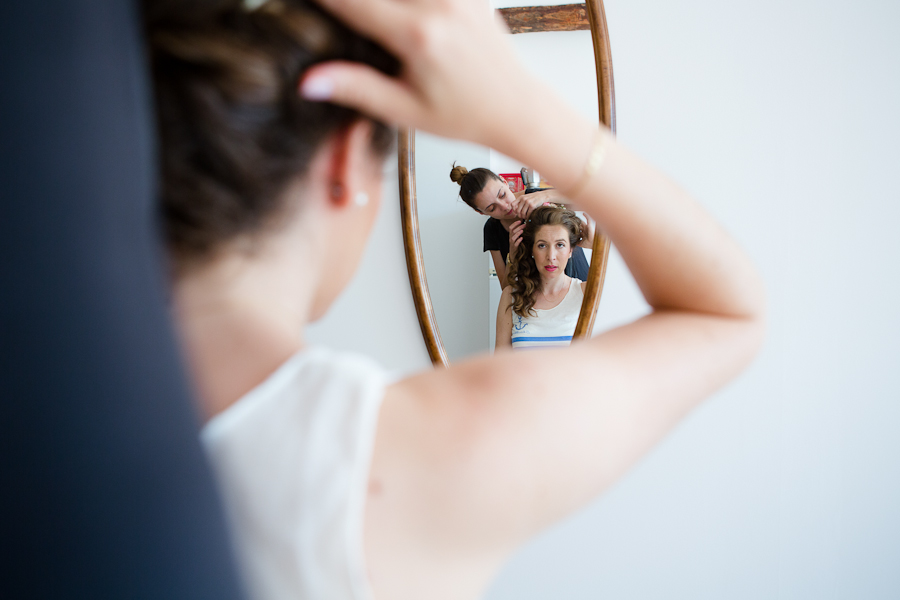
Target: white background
(781,118)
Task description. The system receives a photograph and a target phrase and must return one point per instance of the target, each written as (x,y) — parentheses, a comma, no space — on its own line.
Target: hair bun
(457,174)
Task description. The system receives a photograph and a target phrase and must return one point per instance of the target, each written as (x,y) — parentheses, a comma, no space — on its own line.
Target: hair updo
(523,275)
(233,129)
(471,182)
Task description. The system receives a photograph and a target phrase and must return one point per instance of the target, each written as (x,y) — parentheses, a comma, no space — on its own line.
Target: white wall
(781,118)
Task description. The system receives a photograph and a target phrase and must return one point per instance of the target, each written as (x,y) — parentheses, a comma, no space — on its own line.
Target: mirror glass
(464,290)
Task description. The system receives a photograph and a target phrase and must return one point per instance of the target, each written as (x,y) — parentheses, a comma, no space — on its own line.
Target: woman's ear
(350,165)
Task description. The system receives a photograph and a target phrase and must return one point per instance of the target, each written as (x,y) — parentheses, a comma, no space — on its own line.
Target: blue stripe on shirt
(556,338)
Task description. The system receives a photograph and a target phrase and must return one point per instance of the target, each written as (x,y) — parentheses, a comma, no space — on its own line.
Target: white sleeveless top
(292,460)
(551,327)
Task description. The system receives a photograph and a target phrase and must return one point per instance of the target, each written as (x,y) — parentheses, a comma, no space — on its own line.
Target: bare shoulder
(464,456)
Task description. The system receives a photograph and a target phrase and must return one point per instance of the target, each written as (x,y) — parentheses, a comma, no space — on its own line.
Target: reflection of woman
(336,478)
(490,195)
(540,306)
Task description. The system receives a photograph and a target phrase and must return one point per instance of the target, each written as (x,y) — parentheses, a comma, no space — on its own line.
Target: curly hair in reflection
(523,275)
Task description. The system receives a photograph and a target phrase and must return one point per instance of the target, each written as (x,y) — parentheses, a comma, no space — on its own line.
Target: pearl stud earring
(361,199)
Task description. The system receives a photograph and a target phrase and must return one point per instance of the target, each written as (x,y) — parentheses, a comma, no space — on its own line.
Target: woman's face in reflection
(495,200)
(551,250)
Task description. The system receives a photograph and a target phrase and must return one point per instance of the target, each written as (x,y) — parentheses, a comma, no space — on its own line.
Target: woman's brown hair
(523,275)
(233,131)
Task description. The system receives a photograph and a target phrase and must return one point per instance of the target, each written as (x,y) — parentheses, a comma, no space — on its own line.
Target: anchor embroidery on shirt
(519,323)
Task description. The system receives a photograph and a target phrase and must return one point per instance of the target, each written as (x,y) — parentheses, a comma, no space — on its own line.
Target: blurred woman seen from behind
(341,482)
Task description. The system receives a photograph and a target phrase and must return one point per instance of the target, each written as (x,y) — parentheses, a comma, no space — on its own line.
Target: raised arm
(482,455)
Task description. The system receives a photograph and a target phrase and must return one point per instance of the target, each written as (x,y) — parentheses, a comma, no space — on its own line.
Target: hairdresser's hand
(457,67)
(526,203)
(548,196)
(515,235)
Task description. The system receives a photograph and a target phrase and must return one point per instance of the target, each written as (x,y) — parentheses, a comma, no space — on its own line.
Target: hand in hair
(528,202)
(515,235)
(432,40)
(451,53)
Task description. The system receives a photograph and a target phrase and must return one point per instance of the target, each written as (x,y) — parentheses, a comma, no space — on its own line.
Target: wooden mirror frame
(409,214)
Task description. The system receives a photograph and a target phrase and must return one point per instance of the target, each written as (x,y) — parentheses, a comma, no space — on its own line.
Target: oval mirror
(442,236)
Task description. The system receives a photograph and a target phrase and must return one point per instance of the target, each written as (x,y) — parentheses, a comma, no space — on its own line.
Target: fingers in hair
(362,88)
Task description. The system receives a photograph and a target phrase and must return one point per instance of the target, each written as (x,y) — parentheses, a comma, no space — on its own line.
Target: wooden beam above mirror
(532,19)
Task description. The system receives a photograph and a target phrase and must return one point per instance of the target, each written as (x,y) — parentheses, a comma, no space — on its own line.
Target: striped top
(551,327)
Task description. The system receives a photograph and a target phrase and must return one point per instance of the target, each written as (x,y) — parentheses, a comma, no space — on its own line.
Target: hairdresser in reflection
(539,308)
(490,195)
